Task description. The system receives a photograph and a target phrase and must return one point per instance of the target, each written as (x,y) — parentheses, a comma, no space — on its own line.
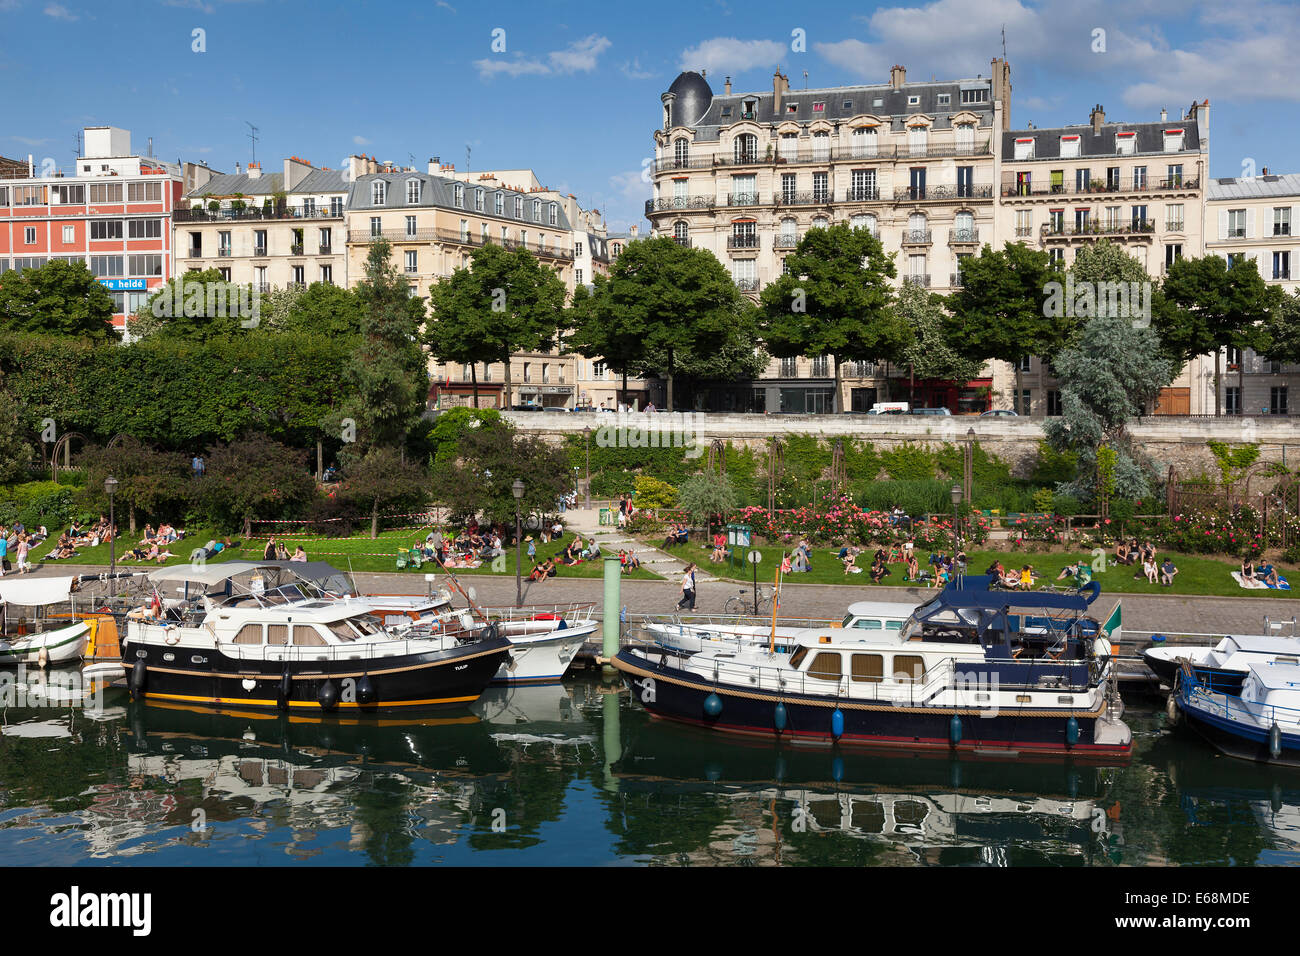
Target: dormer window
(555,213)
(1173,140)
(478,200)
(748,112)
(537,210)
(519,207)
(412,191)
(378,192)
(914,101)
(1069,147)
(944,99)
(792,107)
(1125,143)
(500,204)
(1025,148)
(458,193)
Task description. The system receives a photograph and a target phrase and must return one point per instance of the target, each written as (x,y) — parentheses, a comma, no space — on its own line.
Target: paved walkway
(612,540)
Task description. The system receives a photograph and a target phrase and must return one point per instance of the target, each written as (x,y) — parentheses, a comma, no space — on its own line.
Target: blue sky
(575,92)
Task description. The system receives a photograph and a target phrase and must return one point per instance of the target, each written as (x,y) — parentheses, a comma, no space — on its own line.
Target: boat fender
(1091,591)
(712,705)
(366,689)
(328,696)
(1275,741)
(286,689)
(837,724)
(1101,648)
(1171,710)
(138,672)
(1072,731)
(954,729)
(43,657)
(779,717)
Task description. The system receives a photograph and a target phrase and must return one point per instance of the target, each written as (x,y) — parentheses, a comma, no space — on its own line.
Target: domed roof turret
(692,98)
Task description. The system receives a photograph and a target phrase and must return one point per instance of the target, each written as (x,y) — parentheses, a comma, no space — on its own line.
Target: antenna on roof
(252,135)
(467,152)
(805,79)
(1004,41)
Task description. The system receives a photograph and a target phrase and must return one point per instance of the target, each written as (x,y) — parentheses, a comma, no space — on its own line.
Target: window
(1236,224)
(69,234)
(298,276)
(106,267)
(1173,253)
(1139,177)
(1069,147)
(821,150)
(1232,400)
(106,229)
(1174,217)
(499,204)
(1056,221)
(975,96)
(464,230)
(789,368)
(249,634)
(1024,147)
(1082,180)
(224,272)
(577,276)
(196,243)
(788,147)
(681,231)
(326,240)
(1024,222)
(965,182)
(105,192)
(483,234)
(336,206)
(413,191)
(1277,400)
(29,195)
(1125,143)
(1281,220)
(863,185)
(410,227)
(1081,220)
(309,207)
(865,142)
(326,274)
(375,230)
(519,207)
(478,200)
(868,668)
(145,265)
(537,210)
(1281,265)
(914,100)
(378,192)
(411,261)
(681,153)
(825,666)
(1112,178)
(1054,403)
(944,99)
(916,179)
(144,229)
(821,189)
(554,218)
(1174,176)
(1023,406)
(1140,223)
(916,140)
(68,194)
(819,107)
(821,366)
(458,196)
(909,668)
(528,372)
(259,242)
(1173,140)
(144,192)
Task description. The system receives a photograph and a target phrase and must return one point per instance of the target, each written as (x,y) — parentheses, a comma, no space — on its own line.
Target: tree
(253,477)
(835,299)
(703,496)
(480,480)
(999,311)
(930,354)
(1107,377)
(386,372)
(197,306)
(149,481)
(1283,327)
(381,479)
(1206,306)
(452,425)
(16,452)
(506,302)
(676,301)
(600,329)
(321,308)
(58,298)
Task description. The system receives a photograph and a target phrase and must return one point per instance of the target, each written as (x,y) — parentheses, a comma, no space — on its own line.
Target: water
(575,775)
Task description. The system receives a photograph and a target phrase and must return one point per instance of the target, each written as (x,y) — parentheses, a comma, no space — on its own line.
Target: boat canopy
(36,592)
(1012,601)
(208,574)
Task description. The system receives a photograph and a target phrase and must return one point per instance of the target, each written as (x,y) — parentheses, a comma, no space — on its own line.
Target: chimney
(1164,116)
(727,87)
(1002,89)
(897,77)
(31,166)
(780,84)
(237,169)
(254,170)
(1097,118)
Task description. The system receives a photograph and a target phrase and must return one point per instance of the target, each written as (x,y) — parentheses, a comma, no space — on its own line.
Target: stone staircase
(612,540)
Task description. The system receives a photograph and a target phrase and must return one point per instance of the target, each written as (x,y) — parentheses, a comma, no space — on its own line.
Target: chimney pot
(897,77)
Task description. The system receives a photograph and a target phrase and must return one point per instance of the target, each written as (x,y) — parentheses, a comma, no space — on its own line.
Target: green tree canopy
(151,482)
(58,298)
(835,299)
(930,354)
(379,478)
(197,306)
(253,477)
(321,308)
(480,480)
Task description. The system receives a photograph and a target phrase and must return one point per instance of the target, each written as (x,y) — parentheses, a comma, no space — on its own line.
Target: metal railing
(928,193)
(1140,227)
(1128,185)
(253,212)
(785,242)
(916,236)
(862,194)
(921,280)
(747,285)
(957,236)
(742,242)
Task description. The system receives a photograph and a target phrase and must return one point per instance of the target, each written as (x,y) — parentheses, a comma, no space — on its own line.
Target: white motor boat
(1224,666)
(29,633)
(868,620)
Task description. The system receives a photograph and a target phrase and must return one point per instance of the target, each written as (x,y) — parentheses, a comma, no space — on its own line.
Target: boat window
(277,635)
(909,668)
(344,631)
(366,624)
(249,634)
(825,666)
(797,657)
(868,668)
(894,626)
(848,621)
(304,636)
(866,623)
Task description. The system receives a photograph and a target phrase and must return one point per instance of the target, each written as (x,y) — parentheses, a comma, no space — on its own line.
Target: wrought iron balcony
(862,194)
(742,199)
(1133,184)
(742,242)
(224,252)
(201,214)
(800,199)
(785,242)
(747,285)
(914,237)
(683,241)
(1128,228)
(921,280)
(326,249)
(959,236)
(955,280)
(296,249)
(259,250)
(195,253)
(927,193)
(1174,226)
(679,202)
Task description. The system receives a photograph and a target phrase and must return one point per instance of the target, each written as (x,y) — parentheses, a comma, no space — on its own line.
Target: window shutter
(1223,224)
(1250,224)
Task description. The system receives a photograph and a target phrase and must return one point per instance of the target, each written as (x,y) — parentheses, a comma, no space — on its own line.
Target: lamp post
(518,489)
(587,431)
(956,500)
(110,488)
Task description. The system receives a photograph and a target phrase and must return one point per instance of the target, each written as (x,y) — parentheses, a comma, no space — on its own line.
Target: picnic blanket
(1260,584)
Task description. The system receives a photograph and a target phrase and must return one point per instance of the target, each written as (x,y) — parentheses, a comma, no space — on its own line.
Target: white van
(889,408)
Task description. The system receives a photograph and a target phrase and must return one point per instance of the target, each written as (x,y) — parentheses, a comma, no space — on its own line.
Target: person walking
(688,589)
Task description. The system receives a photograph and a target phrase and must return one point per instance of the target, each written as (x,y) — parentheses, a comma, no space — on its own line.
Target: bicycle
(742,604)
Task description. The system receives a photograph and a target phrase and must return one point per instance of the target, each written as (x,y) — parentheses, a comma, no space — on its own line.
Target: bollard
(609,614)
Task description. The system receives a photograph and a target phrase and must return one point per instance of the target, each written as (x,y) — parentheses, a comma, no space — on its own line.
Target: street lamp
(956,500)
(518,489)
(110,488)
(587,431)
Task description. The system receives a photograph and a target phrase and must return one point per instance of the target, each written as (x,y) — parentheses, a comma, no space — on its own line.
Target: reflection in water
(576,774)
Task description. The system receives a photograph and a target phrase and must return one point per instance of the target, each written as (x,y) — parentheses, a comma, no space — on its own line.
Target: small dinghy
(29,633)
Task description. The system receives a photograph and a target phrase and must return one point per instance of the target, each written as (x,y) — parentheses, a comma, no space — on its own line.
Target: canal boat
(1261,723)
(254,635)
(982,671)
(1224,666)
(34,627)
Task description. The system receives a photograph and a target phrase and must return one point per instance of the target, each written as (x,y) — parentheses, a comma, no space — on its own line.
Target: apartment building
(113,211)
(1141,185)
(744,175)
(1252,217)
(269,230)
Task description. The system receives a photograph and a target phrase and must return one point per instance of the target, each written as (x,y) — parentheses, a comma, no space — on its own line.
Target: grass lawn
(356,553)
(1196,574)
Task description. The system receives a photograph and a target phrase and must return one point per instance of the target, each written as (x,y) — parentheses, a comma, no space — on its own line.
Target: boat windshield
(351,628)
(797,657)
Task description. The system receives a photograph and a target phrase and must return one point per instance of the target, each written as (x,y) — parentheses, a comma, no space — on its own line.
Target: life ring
(171,637)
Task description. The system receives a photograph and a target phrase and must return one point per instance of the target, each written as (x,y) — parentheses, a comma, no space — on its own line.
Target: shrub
(908,462)
(654,494)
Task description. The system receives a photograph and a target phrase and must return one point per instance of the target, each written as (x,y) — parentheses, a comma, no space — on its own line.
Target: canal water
(577,774)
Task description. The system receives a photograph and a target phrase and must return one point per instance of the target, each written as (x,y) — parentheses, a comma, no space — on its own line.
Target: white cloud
(29,142)
(721,54)
(360,141)
(445,5)
(59,12)
(633,71)
(580,56)
(190,5)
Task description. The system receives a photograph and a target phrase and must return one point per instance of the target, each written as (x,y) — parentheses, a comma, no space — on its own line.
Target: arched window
(864,142)
(821,222)
(788,232)
(916,227)
(681,232)
(964,227)
(746,148)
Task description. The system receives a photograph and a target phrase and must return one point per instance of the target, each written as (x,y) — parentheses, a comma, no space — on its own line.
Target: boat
(253,635)
(988,672)
(1261,723)
(1224,666)
(864,618)
(29,632)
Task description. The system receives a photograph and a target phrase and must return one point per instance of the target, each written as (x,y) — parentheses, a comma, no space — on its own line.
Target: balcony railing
(800,199)
(679,202)
(195,253)
(254,212)
(747,285)
(262,286)
(326,249)
(921,280)
(785,242)
(955,280)
(259,250)
(827,154)
(862,194)
(296,249)
(959,236)
(927,193)
(459,238)
(916,236)
(1281,273)
(1281,229)
(742,242)
(743,199)
(1129,185)
(1174,226)
(682,241)
(1139,227)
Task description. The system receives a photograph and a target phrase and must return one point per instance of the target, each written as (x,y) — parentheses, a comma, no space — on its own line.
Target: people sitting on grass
(1081,572)
(879,569)
(719,548)
(849,558)
(1149,569)
(678,534)
(1027,576)
(62,549)
(628,561)
(1247,572)
(913,567)
(1122,553)
(541,572)
(300,555)
(1268,574)
(593,550)
(1167,572)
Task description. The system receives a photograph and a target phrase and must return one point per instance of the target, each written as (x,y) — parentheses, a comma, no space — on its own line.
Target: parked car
(930,411)
(889,408)
(526,407)
(555,408)
(999,413)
